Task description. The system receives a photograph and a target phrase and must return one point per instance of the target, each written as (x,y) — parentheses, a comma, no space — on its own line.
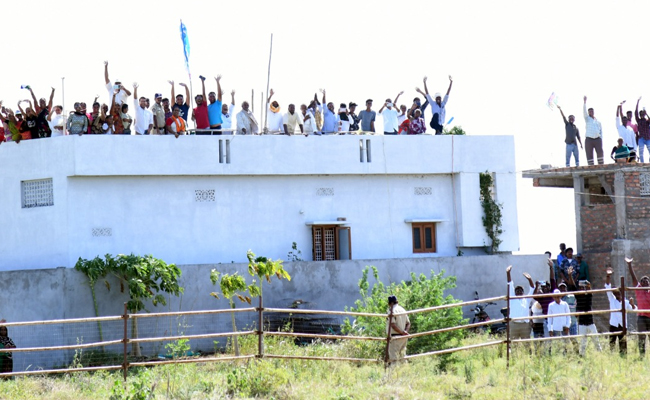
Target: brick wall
(598,227)
(637,209)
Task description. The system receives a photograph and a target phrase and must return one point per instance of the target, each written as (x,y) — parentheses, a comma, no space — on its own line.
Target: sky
(506,58)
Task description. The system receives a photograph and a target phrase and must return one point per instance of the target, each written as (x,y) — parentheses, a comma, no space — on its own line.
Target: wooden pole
(252,100)
(260,330)
(125,365)
(268,81)
(386,353)
(623,314)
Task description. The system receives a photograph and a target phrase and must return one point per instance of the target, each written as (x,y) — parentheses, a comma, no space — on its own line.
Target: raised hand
(171,82)
(585,98)
(609,271)
(182,84)
(509,268)
(106,63)
(450,79)
(401,93)
(233,92)
(628,260)
(622,102)
(135,85)
(271,92)
(527,276)
(424,79)
(218,78)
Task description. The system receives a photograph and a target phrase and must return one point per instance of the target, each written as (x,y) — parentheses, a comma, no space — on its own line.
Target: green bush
(420,292)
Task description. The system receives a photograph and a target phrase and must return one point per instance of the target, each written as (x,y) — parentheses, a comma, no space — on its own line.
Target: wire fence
(135,340)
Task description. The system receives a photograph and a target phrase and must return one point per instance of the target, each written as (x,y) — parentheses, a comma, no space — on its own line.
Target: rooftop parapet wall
(100,155)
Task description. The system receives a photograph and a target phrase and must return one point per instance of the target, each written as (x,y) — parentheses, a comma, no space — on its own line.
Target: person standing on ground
(584,304)
(583,272)
(626,132)
(558,326)
(398,327)
(572,134)
(438,105)
(616,318)
(519,329)
(643,124)
(643,302)
(368,117)
(593,135)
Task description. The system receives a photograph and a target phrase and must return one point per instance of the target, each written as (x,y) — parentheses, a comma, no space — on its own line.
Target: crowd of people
(567,275)
(212,116)
(633,137)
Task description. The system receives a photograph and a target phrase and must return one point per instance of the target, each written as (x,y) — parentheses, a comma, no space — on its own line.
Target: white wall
(143,189)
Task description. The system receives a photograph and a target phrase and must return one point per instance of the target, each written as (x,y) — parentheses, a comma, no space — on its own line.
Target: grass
(473,374)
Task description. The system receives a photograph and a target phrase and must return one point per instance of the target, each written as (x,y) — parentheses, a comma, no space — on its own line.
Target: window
(38,193)
(331,242)
(424,237)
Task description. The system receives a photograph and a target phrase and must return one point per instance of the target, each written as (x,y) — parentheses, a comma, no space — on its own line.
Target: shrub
(420,292)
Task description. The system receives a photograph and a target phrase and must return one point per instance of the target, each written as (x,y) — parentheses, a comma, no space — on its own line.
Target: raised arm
(20,108)
(508,276)
(635,281)
(451,81)
(398,95)
(33,96)
(135,94)
(529,279)
(49,104)
(271,93)
(426,89)
(382,108)
(125,89)
(49,115)
(219,91)
(232,98)
(636,110)
(584,108)
(188,101)
(106,72)
(173,98)
(324,100)
(562,113)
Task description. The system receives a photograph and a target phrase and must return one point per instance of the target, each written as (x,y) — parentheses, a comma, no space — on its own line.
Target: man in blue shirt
(214,108)
(368,117)
(330,119)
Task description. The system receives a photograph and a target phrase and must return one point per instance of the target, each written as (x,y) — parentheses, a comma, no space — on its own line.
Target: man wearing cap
(519,329)
(367,117)
(158,116)
(185,108)
(398,327)
(643,302)
(215,107)
(437,106)
(121,93)
(389,115)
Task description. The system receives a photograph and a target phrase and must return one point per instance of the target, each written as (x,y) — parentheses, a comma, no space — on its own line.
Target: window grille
(37,193)
(204,195)
(644,182)
(423,191)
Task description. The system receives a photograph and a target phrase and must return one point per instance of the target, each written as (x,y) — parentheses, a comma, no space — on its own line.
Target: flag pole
(268,80)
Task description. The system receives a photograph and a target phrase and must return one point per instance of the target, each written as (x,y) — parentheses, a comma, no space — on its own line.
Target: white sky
(506,57)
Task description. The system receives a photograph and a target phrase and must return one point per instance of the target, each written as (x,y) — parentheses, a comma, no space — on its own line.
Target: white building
(208,199)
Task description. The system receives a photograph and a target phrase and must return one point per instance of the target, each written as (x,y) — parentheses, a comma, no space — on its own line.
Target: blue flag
(186,48)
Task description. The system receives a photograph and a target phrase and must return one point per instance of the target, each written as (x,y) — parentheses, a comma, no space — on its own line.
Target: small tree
(95,270)
(231,286)
(492,214)
(419,292)
(264,268)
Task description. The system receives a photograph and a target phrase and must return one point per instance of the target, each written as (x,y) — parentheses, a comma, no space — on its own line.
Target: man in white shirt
(121,93)
(398,326)
(519,329)
(616,318)
(437,104)
(309,121)
(143,117)
(593,135)
(56,121)
(625,131)
(558,326)
(226,115)
(246,122)
(274,118)
(389,114)
(291,119)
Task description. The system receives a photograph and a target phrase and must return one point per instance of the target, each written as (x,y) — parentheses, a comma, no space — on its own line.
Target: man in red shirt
(200,113)
(643,303)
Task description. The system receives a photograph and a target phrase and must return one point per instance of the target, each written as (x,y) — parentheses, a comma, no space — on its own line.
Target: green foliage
(256,379)
(231,286)
(419,292)
(456,130)
(492,212)
(178,348)
(264,268)
(294,254)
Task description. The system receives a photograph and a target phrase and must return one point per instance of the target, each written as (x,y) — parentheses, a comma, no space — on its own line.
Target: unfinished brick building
(612,208)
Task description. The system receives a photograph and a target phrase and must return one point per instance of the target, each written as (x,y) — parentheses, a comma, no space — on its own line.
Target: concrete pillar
(619,199)
(578,187)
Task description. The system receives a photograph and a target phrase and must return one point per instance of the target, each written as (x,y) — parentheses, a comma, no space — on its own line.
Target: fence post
(386,353)
(125,340)
(508,327)
(624,316)
(260,330)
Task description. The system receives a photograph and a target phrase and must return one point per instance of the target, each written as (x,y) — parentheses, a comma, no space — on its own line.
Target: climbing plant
(492,213)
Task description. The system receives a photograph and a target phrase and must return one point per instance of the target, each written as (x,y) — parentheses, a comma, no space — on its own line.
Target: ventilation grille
(325,192)
(204,195)
(100,232)
(422,191)
(38,193)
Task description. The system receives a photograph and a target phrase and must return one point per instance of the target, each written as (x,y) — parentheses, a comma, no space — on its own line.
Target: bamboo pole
(623,315)
(268,82)
(318,336)
(324,312)
(387,350)
(181,337)
(260,330)
(191,360)
(66,347)
(169,314)
(507,323)
(462,304)
(62,321)
(125,340)
(62,371)
(455,349)
(323,358)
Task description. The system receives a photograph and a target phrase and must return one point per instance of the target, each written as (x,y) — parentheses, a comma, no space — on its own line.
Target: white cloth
(344,126)
(274,121)
(120,97)
(440,109)
(390,119)
(585,330)
(627,133)
(143,118)
(616,318)
(246,120)
(400,318)
(401,118)
(292,121)
(519,307)
(57,120)
(309,122)
(226,119)
(558,323)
